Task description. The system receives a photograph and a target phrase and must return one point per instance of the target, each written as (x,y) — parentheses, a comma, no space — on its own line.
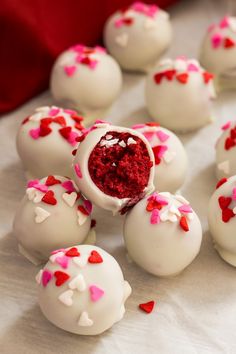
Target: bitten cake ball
(221,219)
(138,35)
(162,234)
(87,79)
(46,139)
(218,53)
(226,151)
(170,157)
(53,214)
(82,290)
(114,166)
(179,94)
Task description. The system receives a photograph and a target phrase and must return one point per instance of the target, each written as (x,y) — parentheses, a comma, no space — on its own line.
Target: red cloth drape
(34,32)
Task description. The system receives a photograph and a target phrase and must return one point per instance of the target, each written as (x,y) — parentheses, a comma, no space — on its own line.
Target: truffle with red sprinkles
(53,214)
(162,234)
(218,53)
(222,221)
(46,139)
(87,79)
(225,151)
(82,290)
(170,156)
(114,166)
(179,94)
(138,35)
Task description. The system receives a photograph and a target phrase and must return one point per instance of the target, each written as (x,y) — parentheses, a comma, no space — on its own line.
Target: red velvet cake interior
(120,165)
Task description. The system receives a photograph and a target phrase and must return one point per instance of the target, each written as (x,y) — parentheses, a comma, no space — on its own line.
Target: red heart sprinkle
(46,120)
(152,124)
(156,149)
(77,118)
(229,143)
(51,180)
(44,130)
(221,181)
(169,74)
(184,224)
(72,252)
(85,60)
(83,210)
(207,77)
(158,77)
(25,120)
(79,126)
(153,204)
(49,198)
(61,277)
(147,306)
(128,21)
(233,133)
(228,43)
(224,202)
(74,152)
(95,257)
(80,138)
(227,214)
(65,132)
(60,120)
(182,78)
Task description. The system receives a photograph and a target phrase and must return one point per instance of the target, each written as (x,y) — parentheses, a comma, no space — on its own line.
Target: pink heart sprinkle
(59,250)
(149,135)
(68,185)
(63,261)
(155,217)
(161,200)
(70,70)
(138,126)
(100,49)
(78,170)
(78,48)
(162,150)
(72,138)
(53,112)
(41,187)
(216,40)
(226,126)
(95,293)
(88,206)
(234,194)
(162,136)
(224,22)
(100,121)
(69,111)
(118,23)
(192,67)
(32,183)
(34,133)
(93,64)
(185,208)
(46,277)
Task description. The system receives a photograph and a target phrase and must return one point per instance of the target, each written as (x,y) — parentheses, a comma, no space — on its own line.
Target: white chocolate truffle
(52,214)
(225,151)
(87,79)
(46,139)
(170,157)
(114,166)
(162,234)
(138,35)
(221,219)
(84,292)
(179,94)
(218,53)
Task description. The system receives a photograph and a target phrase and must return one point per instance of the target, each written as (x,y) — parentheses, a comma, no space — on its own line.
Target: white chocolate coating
(50,154)
(218,52)
(181,101)
(91,300)
(171,160)
(86,184)
(225,151)
(90,88)
(223,232)
(41,227)
(155,239)
(139,44)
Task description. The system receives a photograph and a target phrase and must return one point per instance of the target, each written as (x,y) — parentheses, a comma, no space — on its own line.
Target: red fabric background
(34,32)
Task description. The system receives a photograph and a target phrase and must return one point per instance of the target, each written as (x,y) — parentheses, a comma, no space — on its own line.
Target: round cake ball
(170,157)
(138,35)
(87,79)
(162,234)
(46,139)
(221,219)
(225,151)
(179,94)
(53,214)
(114,166)
(82,290)
(218,52)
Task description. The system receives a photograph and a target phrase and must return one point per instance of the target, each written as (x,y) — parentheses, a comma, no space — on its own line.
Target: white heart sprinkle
(42,109)
(53,257)
(78,283)
(34,195)
(224,166)
(41,215)
(180,65)
(131,141)
(30,193)
(149,23)
(84,320)
(36,117)
(169,156)
(39,276)
(81,261)
(69,199)
(37,197)
(122,39)
(81,218)
(66,297)
(174,210)
(122,144)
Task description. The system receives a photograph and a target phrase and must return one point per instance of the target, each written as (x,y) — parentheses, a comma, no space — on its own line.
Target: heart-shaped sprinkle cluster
(182,78)
(227,212)
(230,140)
(164,208)
(221,39)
